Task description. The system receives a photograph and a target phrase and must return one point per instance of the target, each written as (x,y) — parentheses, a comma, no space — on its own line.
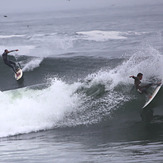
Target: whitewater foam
(26,110)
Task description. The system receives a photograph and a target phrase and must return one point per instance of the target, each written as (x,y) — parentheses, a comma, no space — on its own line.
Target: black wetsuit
(140,89)
(8,62)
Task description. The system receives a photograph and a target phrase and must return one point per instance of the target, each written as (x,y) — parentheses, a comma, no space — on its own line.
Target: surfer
(137,82)
(9,62)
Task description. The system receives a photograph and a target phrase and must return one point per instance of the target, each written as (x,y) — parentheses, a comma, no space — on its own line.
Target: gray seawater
(76,102)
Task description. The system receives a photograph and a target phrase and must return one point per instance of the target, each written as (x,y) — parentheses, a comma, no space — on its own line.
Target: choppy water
(76,102)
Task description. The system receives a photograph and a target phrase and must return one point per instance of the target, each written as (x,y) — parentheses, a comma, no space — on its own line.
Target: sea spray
(32,64)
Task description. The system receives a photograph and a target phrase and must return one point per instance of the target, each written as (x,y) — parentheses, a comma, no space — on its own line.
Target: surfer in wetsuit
(137,82)
(9,62)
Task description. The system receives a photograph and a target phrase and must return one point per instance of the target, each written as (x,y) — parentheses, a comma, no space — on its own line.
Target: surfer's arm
(13,51)
(132,77)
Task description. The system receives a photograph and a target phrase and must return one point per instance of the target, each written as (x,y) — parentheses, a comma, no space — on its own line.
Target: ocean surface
(76,102)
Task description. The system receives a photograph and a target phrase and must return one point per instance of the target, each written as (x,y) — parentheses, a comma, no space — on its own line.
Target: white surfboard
(20,72)
(153,95)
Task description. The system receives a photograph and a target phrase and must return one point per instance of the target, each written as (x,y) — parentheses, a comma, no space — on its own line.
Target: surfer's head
(140,76)
(6,50)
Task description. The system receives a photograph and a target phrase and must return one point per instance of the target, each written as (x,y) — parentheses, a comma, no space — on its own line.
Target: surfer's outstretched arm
(13,51)
(132,77)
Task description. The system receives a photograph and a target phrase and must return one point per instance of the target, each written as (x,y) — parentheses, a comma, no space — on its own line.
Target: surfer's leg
(9,63)
(14,65)
(148,85)
(145,91)
(145,88)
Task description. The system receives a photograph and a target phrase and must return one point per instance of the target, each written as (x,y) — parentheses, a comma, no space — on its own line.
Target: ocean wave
(57,105)
(81,103)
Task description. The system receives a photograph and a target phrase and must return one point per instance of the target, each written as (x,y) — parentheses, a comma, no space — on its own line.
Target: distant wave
(98,35)
(10,36)
(52,44)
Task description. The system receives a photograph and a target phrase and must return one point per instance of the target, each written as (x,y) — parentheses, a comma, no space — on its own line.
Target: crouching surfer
(146,112)
(137,82)
(9,62)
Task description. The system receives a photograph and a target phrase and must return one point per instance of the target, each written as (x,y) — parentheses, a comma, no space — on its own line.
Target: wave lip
(97,35)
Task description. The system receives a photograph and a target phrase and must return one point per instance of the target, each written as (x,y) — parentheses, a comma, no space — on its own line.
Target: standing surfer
(9,62)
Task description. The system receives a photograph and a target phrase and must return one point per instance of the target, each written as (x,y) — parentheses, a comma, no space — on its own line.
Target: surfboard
(20,72)
(152,96)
